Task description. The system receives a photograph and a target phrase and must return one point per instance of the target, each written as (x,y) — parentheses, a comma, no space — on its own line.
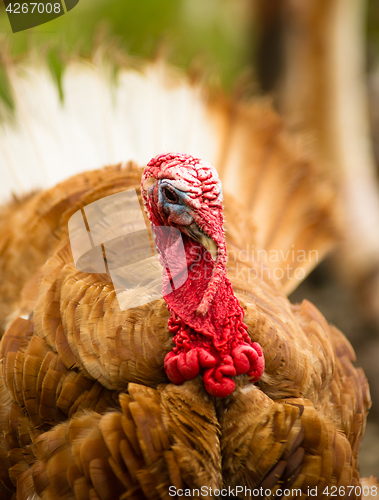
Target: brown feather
(86,410)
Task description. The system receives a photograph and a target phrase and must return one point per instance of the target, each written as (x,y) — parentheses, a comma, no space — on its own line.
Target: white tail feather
(98,123)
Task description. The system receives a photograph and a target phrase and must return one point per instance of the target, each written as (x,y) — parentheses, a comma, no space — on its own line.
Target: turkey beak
(217,249)
(211,246)
(197,234)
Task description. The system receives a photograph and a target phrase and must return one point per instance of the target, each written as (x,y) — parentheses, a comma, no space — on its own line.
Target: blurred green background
(219,35)
(212,34)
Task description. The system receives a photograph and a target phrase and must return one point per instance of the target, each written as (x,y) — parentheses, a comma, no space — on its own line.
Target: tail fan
(285,203)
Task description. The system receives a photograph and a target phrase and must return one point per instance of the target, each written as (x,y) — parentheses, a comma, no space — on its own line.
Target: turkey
(221,386)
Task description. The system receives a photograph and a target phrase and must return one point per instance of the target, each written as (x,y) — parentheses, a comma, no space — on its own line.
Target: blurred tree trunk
(322,90)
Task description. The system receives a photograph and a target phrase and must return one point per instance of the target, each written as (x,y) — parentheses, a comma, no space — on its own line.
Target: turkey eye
(170,195)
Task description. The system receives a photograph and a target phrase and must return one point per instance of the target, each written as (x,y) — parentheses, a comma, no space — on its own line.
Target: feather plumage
(87,409)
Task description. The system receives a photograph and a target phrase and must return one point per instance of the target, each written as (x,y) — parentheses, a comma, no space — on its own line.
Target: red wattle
(171,368)
(188,364)
(250,360)
(258,365)
(216,388)
(216,345)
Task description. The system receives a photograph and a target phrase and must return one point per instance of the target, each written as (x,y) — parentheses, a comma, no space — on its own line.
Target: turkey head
(206,318)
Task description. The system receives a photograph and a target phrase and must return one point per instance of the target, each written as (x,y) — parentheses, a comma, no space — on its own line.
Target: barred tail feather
(283,195)
(287,196)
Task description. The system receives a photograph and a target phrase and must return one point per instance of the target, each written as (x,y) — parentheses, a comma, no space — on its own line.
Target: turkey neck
(215,344)
(184,302)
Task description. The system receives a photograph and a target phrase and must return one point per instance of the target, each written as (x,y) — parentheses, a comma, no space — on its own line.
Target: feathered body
(87,408)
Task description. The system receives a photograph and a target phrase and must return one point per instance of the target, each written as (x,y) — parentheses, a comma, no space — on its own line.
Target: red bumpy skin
(206,318)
